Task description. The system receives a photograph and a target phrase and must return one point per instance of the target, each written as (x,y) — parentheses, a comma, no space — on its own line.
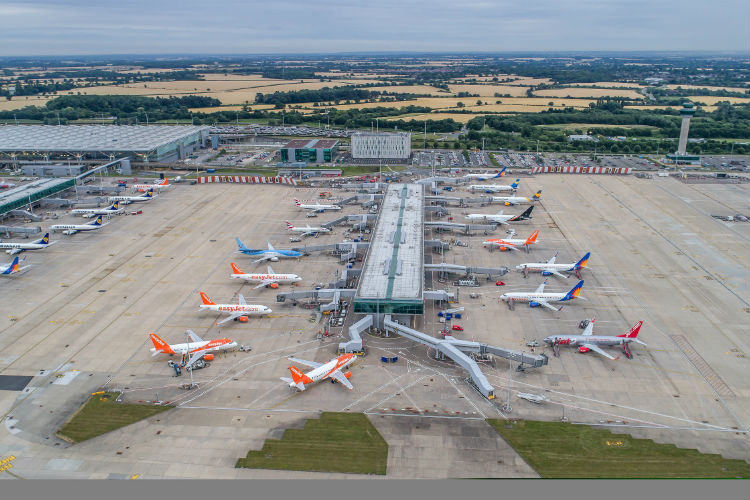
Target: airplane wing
(513,247)
(72,231)
(598,350)
(556,273)
(264,283)
(14,251)
(230,318)
(193,336)
(311,364)
(270,247)
(242,300)
(339,377)
(265,257)
(547,305)
(193,358)
(270,271)
(540,288)
(552,260)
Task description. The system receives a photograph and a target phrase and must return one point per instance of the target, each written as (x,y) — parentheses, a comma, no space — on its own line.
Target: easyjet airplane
(512,243)
(239,311)
(197,349)
(145,187)
(321,371)
(271,279)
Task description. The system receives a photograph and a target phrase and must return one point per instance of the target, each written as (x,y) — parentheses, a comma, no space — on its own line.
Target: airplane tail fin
(235,269)
(149,194)
(164,182)
(13,267)
(574,292)
(532,239)
(45,239)
(299,378)
(289,225)
(97,221)
(502,172)
(240,244)
(633,333)
(115,206)
(515,184)
(582,263)
(296,202)
(526,214)
(207,301)
(160,345)
(538,195)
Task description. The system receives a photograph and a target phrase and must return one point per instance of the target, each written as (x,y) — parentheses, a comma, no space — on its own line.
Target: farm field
(588,92)
(712,99)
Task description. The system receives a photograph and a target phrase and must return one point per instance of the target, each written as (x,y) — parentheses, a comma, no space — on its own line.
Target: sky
(81,27)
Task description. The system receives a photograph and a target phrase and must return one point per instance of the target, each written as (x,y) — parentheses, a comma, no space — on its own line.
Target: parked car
(499,283)
(457,328)
(532,343)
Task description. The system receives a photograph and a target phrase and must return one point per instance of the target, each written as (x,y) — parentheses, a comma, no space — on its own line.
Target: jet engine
(208,357)
(534,304)
(583,349)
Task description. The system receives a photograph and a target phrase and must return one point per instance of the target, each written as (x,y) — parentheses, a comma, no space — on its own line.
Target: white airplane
(550,267)
(321,371)
(486,176)
(239,311)
(196,349)
(308,230)
(126,200)
(271,279)
(12,268)
(271,254)
(91,212)
(499,218)
(517,200)
(71,229)
(534,398)
(317,207)
(494,188)
(156,186)
(512,243)
(14,248)
(590,342)
(540,298)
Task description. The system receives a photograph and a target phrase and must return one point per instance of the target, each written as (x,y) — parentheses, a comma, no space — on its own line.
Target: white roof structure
(93,138)
(394,266)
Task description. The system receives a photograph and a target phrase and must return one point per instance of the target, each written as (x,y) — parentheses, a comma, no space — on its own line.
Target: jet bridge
(355,343)
(456,269)
(456,350)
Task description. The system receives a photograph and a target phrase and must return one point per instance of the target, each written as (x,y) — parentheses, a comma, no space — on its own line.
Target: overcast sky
(76,27)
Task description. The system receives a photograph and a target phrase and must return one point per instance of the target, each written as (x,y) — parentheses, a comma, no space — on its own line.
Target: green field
(337,442)
(562,451)
(100,414)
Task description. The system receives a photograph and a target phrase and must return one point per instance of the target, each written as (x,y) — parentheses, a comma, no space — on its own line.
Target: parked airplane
(12,268)
(540,298)
(147,196)
(6,185)
(534,398)
(271,254)
(499,218)
(517,200)
(91,212)
(271,279)
(590,342)
(486,176)
(550,267)
(74,228)
(239,311)
(512,243)
(317,207)
(196,349)
(494,188)
(156,185)
(308,230)
(321,371)
(14,248)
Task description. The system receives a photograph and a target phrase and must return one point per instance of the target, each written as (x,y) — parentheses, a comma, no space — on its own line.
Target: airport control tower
(681,156)
(687,112)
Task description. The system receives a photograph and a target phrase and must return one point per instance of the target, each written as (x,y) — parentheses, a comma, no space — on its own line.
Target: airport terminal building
(381,146)
(309,151)
(157,143)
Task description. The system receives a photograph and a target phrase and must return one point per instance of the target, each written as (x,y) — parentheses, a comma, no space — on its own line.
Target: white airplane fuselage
(572,340)
(205,345)
(323,371)
(260,278)
(543,266)
(533,296)
(296,229)
(489,217)
(511,200)
(247,309)
(495,188)
(129,199)
(90,212)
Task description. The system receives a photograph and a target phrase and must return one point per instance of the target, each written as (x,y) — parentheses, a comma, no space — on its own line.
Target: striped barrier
(246,179)
(581,170)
